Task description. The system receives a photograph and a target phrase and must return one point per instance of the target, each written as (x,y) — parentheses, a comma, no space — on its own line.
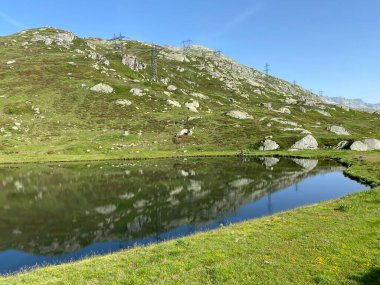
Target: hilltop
(62,94)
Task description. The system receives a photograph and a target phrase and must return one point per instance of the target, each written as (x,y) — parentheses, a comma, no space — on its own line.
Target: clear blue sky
(329,45)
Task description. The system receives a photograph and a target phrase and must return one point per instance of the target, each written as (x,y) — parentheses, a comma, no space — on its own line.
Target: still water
(50,214)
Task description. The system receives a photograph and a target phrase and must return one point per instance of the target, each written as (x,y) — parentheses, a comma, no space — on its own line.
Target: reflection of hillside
(57,209)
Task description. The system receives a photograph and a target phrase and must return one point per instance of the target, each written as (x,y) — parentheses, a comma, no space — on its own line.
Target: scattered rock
(193,106)
(290,101)
(173,103)
(308,142)
(106,210)
(284,110)
(269,144)
(338,130)
(137,92)
(102,88)
(172,88)
(199,95)
(11,62)
(324,113)
(185,132)
(123,102)
(241,115)
(266,105)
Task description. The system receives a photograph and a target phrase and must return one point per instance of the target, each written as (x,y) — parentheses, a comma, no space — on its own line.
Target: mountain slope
(49,102)
(358,104)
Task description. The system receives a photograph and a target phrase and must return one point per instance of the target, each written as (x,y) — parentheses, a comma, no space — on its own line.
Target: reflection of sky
(312,190)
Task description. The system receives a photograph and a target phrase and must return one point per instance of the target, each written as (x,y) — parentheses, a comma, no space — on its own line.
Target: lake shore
(332,242)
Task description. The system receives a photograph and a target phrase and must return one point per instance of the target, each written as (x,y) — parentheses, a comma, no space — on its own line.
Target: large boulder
(269,144)
(241,115)
(102,88)
(359,146)
(338,130)
(373,144)
(308,142)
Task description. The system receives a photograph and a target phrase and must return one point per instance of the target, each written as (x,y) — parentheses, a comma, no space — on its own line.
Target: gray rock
(123,102)
(269,144)
(338,130)
(266,105)
(137,92)
(308,142)
(342,145)
(102,88)
(373,144)
(193,106)
(132,62)
(185,132)
(359,146)
(241,115)
(172,88)
(173,103)
(324,113)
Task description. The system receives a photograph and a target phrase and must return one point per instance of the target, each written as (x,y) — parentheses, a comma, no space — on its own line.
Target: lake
(55,213)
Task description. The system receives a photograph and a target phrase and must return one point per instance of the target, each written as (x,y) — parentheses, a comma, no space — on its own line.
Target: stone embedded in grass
(137,92)
(241,115)
(359,146)
(173,103)
(106,210)
(11,62)
(308,142)
(324,113)
(193,106)
(102,88)
(172,88)
(338,130)
(123,102)
(199,95)
(185,132)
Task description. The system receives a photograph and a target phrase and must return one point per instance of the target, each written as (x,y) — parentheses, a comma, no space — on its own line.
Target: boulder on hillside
(338,130)
(137,92)
(123,102)
(185,132)
(308,142)
(373,144)
(359,146)
(172,88)
(241,115)
(102,88)
(192,106)
(173,103)
(269,144)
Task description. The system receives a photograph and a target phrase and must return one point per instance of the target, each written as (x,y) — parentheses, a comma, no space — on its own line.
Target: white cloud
(11,21)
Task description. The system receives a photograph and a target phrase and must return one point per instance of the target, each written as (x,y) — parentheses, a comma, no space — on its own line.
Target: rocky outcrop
(102,88)
(308,142)
(338,130)
(132,62)
(241,115)
(269,144)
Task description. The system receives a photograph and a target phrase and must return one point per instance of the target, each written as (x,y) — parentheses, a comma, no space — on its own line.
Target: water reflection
(62,212)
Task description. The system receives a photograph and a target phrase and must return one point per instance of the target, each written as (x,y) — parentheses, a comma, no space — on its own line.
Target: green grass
(334,242)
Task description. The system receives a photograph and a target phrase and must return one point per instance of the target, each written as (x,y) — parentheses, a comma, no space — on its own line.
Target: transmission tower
(267,69)
(320,93)
(118,46)
(218,53)
(186,45)
(153,61)
(294,83)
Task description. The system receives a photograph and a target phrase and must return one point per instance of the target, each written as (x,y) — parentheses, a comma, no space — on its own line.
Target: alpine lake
(57,213)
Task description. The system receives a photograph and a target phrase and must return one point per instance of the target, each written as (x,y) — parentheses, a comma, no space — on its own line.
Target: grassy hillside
(47,106)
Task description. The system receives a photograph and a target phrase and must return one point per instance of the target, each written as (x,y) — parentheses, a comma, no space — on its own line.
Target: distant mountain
(358,104)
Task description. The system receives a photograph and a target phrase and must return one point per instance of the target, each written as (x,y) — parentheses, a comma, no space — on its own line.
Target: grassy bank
(335,242)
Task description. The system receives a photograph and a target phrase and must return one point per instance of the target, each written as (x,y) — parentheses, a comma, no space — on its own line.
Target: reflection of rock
(307,164)
(242,182)
(269,162)
(105,210)
(136,225)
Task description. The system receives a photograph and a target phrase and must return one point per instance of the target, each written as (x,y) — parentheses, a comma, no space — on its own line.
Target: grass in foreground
(335,242)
